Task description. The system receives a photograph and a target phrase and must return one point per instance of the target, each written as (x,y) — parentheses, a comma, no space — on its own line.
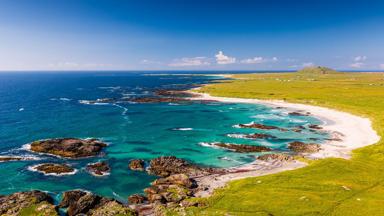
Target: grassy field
(325,187)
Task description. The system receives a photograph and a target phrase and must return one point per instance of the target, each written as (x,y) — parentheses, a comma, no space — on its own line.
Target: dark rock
(136,199)
(316,127)
(169,165)
(242,148)
(68,147)
(99,168)
(301,147)
(137,164)
(259,126)
(37,203)
(176,179)
(159,100)
(81,202)
(10,158)
(274,157)
(51,168)
(173,93)
(259,136)
(298,114)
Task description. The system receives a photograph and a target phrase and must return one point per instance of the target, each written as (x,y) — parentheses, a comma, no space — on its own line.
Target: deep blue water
(37,106)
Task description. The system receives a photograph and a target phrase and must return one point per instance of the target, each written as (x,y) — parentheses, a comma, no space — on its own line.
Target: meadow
(330,186)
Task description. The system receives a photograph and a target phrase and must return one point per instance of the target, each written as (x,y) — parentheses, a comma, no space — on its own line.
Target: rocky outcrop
(173,93)
(260,126)
(68,147)
(259,136)
(275,157)
(82,202)
(137,164)
(242,148)
(299,114)
(169,165)
(55,169)
(300,147)
(99,168)
(136,199)
(159,100)
(27,203)
(170,190)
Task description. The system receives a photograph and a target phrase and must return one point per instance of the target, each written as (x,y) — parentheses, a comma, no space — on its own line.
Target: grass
(325,187)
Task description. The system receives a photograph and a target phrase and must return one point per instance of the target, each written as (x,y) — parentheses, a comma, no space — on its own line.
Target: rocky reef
(98,169)
(173,93)
(68,147)
(159,100)
(241,148)
(53,169)
(259,136)
(260,126)
(275,157)
(27,203)
(300,147)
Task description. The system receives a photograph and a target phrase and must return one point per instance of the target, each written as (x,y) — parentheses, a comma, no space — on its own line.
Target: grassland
(325,187)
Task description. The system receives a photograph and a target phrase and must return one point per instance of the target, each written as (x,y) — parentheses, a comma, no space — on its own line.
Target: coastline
(348,131)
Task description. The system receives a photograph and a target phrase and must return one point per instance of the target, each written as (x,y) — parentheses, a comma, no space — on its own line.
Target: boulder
(176,179)
(315,127)
(29,202)
(242,148)
(99,168)
(298,114)
(168,165)
(301,147)
(137,164)
(259,126)
(136,199)
(259,136)
(68,147)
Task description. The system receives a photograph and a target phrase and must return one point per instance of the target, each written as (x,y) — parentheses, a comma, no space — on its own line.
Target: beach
(348,132)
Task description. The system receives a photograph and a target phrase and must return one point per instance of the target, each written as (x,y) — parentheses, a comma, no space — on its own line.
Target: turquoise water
(41,105)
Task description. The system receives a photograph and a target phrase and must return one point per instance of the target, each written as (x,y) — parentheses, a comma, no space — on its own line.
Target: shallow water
(42,105)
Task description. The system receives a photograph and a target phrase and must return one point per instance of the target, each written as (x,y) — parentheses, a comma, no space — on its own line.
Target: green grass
(319,188)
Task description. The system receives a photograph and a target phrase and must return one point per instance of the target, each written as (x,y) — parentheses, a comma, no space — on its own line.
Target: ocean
(36,106)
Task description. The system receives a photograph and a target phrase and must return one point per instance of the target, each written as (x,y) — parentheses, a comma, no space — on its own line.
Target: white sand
(354,132)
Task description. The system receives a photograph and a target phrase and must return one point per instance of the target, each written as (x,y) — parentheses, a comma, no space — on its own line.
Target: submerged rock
(82,202)
(137,164)
(298,114)
(56,169)
(259,136)
(316,127)
(169,165)
(99,168)
(29,202)
(260,126)
(173,93)
(68,147)
(274,157)
(241,148)
(301,147)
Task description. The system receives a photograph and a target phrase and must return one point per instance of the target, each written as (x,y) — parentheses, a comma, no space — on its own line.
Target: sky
(191,34)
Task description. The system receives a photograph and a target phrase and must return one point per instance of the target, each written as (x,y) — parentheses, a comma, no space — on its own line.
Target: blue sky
(190,35)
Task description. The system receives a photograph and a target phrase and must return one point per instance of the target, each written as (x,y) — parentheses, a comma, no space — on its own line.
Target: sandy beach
(348,132)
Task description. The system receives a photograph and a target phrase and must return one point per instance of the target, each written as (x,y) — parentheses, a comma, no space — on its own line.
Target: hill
(317,70)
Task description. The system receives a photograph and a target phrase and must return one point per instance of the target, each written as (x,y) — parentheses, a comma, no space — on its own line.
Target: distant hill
(317,70)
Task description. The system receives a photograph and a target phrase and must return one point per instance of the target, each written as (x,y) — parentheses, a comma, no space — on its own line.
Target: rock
(159,100)
(298,114)
(259,126)
(316,127)
(168,165)
(259,136)
(29,202)
(99,168)
(173,93)
(301,147)
(81,202)
(136,199)
(137,164)
(242,148)
(274,157)
(176,179)
(51,168)
(10,158)
(68,147)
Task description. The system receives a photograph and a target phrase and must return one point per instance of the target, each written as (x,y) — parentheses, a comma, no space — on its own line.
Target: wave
(228,159)
(19,158)
(182,129)
(210,145)
(92,102)
(241,136)
(65,99)
(21,109)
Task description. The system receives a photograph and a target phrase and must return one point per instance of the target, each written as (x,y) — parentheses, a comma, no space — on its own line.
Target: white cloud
(357,65)
(258,60)
(360,58)
(308,64)
(381,66)
(75,65)
(146,61)
(185,62)
(223,59)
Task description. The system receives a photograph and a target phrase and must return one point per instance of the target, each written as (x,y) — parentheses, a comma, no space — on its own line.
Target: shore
(348,132)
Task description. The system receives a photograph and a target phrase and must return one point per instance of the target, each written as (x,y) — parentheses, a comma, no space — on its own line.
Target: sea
(42,105)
